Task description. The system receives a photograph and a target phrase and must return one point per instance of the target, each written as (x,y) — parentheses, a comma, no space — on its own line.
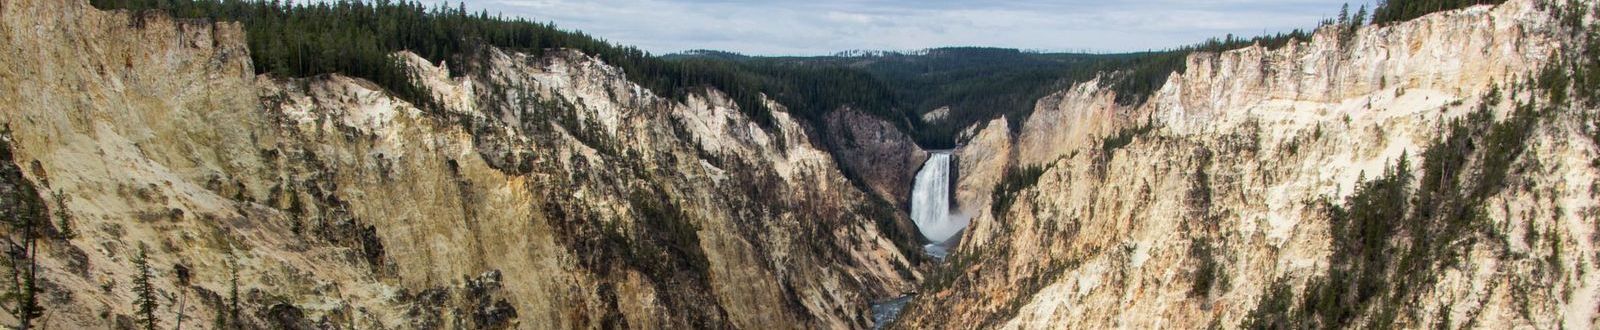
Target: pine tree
(233,292)
(1344,15)
(1389,11)
(144,295)
(64,218)
(182,273)
(229,319)
(21,257)
(1361,17)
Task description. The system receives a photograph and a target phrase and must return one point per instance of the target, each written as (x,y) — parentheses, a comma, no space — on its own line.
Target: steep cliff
(884,158)
(543,192)
(982,160)
(1419,174)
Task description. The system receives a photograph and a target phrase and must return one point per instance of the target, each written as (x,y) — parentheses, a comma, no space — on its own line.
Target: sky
(822,27)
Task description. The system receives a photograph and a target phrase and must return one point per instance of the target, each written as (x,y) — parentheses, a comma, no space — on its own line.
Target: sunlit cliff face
(1239,179)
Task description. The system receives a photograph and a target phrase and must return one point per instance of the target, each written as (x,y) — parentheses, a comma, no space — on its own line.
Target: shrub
(1123,138)
(1394,238)
(1015,180)
(1273,310)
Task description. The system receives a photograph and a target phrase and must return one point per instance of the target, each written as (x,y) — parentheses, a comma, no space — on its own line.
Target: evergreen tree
(356,38)
(24,291)
(1344,15)
(144,294)
(182,274)
(229,318)
(64,218)
(1391,11)
(1361,17)
(25,221)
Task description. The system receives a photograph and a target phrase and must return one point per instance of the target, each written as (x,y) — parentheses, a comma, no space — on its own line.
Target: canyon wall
(884,159)
(1413,175)
(539,192)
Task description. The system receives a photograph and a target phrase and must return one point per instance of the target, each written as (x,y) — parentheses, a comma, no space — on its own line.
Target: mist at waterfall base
(930,210)
(930,205)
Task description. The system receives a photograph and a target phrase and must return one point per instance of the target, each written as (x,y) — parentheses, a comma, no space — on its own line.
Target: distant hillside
(977,84)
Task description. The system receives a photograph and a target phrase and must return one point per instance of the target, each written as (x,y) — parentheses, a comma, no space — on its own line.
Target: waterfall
(930,200)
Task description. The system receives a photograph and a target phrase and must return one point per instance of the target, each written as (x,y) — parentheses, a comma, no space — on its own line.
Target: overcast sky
(821,27)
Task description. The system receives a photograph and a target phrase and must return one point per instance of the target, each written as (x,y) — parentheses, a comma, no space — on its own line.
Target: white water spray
(930,200)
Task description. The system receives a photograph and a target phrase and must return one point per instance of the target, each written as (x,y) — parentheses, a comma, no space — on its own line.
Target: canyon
(1225,199)
(554,190)
(544,192)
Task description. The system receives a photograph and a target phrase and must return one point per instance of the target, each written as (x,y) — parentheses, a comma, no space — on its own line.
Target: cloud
(816,27)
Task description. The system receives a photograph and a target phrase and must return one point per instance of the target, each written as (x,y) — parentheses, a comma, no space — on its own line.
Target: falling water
(930,200)
(930,210)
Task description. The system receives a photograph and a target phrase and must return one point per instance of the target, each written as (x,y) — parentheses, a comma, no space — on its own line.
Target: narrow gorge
(1435,172)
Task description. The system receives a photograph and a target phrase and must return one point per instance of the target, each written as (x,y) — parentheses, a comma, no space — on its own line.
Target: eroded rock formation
(542,191)
(1244,191)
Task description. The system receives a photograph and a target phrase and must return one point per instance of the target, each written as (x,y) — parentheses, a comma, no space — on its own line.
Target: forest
(356,38)
(978,84)
(1392,11)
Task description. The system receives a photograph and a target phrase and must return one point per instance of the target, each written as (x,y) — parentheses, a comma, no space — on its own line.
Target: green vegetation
(1398,237)
(144,293)
(1273,310)
(64,227)
(25,222)
(954,267)
(904,235)
(1586,70)
(1364,226)
(1140,77)
(980,84)
(229,318)
(1348,25)
(1210,272)
(183,277)
(1555,80)
(667,241)
(1393,11)
(1123,137)
(1575,74)
(1015,180)
(355,38)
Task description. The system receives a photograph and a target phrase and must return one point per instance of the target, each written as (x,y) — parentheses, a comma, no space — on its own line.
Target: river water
(930,210)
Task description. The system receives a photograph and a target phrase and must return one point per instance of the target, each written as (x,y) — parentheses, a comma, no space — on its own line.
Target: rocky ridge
(1233,196)
(541,191)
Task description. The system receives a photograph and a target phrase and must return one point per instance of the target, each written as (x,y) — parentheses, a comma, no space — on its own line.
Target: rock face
(1245,191)
(936,115)
(981,160)
(1074,117)
(885,159)
(543,192)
